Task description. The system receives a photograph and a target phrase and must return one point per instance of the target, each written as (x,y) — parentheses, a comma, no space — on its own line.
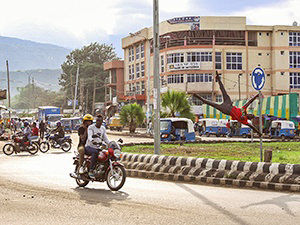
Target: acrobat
(226,107)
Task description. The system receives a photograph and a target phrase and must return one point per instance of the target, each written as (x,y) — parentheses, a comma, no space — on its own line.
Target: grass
(283,152)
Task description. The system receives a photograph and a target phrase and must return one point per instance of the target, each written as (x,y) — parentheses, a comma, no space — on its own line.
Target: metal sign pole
(260,126)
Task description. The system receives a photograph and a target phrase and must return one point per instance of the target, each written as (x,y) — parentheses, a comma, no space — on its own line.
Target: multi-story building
(193,48)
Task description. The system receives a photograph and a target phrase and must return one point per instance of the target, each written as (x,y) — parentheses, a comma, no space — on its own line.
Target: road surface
(38,190)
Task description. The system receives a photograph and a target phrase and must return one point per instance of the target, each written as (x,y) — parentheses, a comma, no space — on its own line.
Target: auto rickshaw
(282,129)
(210,126)
(239,130)
(222,129)
(115,123)
(177,129)
(66,123)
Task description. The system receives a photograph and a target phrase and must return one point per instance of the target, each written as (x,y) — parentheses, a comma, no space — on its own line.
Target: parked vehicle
(222,129)
(115,123)
(71,124)
(282,129)
(239,130)
(210,126)
(108,168)
(51,114)
(15,146)
(64,143)
(176,129)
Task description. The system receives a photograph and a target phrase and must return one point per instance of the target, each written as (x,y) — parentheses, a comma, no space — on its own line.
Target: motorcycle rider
(91,143)
(26,133)
(58,132)
(34,132)
(83,135)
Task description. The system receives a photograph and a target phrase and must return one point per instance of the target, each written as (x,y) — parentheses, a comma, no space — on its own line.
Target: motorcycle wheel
(66,146)
(44,147)
(115,179)
(35,148)
(80,182)
(8,149)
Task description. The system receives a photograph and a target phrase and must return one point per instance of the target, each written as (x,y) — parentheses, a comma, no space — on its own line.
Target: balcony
(135,95)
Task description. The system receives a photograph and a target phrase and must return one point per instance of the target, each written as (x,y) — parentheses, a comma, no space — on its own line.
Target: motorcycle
(64,143)
(15,146)
(107,167)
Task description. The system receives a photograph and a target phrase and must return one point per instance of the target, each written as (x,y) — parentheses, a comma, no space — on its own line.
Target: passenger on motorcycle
(91,143)
(26,133)
(58,132)
(83,135)
(34,132)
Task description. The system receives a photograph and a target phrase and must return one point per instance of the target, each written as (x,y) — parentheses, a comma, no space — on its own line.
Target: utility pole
(71,85)
(156,90)
(8,92)
(75,96)
(148,53)
(94,95)
(86,100)
(33,94)
(105,95)
(239,81)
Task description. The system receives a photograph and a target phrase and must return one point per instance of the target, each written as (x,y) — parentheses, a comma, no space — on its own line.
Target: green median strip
(283,152)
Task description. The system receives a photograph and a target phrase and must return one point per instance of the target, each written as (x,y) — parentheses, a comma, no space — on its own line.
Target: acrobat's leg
(226,97)
(254,128)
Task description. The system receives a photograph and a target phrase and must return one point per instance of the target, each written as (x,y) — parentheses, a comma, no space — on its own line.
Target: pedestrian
(42,129)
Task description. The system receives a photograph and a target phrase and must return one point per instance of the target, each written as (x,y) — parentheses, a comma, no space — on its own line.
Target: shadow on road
(217,207)
(100,196)
(280,201)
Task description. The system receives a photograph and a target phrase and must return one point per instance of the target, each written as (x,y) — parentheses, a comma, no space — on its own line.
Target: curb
(279,177)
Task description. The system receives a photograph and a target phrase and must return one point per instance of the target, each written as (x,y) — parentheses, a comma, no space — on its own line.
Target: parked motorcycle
(64,143)
(106,169)
(15,146)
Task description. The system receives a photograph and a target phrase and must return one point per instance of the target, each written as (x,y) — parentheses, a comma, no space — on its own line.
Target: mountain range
(29,55)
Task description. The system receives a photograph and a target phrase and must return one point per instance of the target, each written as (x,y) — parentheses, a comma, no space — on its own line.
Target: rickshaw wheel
(207,134)
(244,135)
(282,137)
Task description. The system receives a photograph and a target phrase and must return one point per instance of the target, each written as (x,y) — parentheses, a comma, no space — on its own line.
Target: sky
(73,23)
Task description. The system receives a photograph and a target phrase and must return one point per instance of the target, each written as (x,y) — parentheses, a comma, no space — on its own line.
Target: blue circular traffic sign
(258,78)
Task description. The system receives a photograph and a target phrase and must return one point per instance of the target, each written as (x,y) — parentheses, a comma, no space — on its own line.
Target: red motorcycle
(107,167)
(15,146)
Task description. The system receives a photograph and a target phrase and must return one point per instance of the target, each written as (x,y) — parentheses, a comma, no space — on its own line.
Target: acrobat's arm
(250,101)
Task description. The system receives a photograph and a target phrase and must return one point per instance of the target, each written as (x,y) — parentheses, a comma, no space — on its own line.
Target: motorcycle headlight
(117,153)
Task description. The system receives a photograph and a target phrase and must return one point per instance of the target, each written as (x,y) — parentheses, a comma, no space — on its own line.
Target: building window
(294,59)
(199,57)
(175,58)
(259,54)
(132,72)
(129,71)
(162,64)
(259,33)
(218,60)
(129,87)
(268,34)
(281,33)
(295,80)
(294,38)
(233,61)
(199,78)
(137,70)
(282,73)
(137,52)
(175,78)
(132,54)
(142,69)
(219,98)
(137,90)
(282,52)
(142,50)
(129,54)
(143,87)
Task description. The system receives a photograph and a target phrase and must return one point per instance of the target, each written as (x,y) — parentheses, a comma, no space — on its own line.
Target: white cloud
(283,13)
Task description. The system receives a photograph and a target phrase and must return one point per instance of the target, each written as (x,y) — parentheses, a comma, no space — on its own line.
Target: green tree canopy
(32,96)
(90,60)
(174,102)
(132,115)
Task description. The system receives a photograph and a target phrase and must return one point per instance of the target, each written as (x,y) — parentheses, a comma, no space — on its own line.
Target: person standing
(42,129)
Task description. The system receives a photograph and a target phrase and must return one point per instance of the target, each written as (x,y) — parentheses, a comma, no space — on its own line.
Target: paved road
(38,190)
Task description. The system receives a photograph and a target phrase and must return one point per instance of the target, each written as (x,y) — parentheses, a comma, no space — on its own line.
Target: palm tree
(132,115)
(174,102)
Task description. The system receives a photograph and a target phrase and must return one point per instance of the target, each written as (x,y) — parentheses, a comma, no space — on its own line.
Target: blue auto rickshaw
(177,129)
(210,126)
(75,123)
(239,130)
(282,129)
(66,123)
(222,129)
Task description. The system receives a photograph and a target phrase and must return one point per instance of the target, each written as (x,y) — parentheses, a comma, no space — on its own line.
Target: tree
(32,96)
(90,60)
(174,102)
(132,115)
